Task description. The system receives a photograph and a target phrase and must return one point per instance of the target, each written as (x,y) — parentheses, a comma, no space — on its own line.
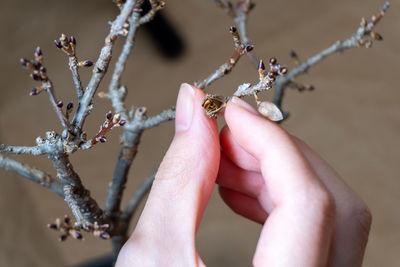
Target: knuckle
(361,215)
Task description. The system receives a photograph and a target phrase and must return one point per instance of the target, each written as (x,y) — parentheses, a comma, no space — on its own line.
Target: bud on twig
(85,63)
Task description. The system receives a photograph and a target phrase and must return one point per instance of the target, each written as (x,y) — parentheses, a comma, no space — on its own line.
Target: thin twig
(100,68)
(73,66)
(115,85)
(226,68)
(33,174)
(239,14)
(164,116)
(31,150)
(354,40)
(156,5)
(48,86)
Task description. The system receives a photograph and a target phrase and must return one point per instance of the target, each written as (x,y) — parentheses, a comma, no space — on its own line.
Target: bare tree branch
(31,150)
(100,68)
(84,208)
(240,49)
(73,66)
(166,115)
(48,86)
(156,5)
(128,152)
(355,40)
(33,174)
(115,89)
(135,200)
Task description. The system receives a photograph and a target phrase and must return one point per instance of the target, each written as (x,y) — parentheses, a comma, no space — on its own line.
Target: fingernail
(244,105)
(184,108)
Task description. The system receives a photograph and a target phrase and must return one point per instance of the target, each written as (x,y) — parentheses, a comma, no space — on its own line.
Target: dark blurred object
(169,43)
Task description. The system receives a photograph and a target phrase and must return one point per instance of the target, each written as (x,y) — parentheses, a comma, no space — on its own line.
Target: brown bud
(376,36)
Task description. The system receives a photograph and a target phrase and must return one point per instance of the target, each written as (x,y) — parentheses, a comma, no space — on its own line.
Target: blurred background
(352,118)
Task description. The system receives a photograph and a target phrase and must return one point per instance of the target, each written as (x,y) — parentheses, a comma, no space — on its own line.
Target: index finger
(298,230)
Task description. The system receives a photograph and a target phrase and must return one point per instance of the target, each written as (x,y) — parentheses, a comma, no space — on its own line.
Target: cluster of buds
(242,6)
(268,78)
(99,230)
(66,228)
(111,122)
(38,71)
(68,45)
(371,35)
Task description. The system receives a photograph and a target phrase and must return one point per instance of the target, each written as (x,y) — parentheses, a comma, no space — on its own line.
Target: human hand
(300,199)
(165,232)
(310,216)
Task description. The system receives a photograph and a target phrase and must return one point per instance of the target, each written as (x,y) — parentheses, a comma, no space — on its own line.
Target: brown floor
(352,119)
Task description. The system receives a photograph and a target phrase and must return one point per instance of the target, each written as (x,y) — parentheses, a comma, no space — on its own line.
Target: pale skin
(310,216)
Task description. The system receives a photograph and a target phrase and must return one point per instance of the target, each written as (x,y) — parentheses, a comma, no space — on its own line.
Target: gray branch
(166,115)
(128,152)
(73,66)
(31,150)
(84,208)
(116,92)
(101,66)
(135,200)
(354,40)
(48,86)
(33,174)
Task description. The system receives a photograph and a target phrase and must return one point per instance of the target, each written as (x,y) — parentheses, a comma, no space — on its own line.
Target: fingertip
(253,132)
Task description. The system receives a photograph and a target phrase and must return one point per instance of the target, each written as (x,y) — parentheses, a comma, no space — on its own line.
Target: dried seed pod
(213,105)
(270,110)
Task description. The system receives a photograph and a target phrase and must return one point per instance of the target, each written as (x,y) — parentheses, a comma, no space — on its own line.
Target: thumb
(186,176)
